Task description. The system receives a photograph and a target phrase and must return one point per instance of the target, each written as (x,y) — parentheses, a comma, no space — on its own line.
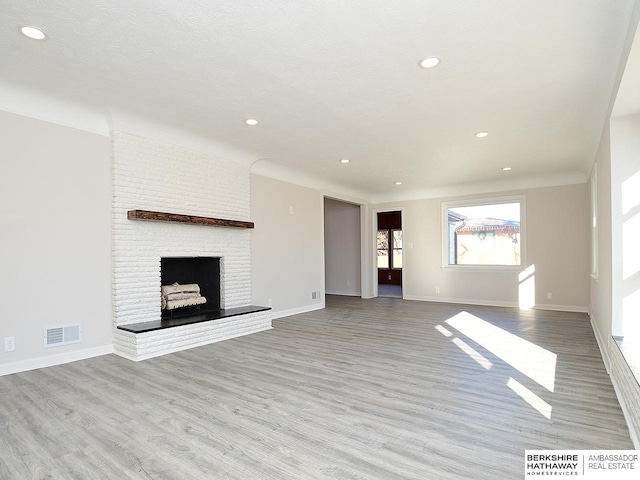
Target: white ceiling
(337,79)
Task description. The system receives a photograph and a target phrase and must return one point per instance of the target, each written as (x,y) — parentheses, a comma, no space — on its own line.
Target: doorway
(389,254)
(342,248)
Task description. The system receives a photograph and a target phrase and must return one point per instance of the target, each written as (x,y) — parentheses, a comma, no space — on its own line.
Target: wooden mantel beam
(176,217)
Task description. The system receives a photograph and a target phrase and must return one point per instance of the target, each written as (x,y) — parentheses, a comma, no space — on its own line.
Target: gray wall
(55,212)
(601,286)
(342,247)
(287,259)
(557,244)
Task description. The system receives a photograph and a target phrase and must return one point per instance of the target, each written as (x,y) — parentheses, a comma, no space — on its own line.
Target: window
(397,249)
(483,233)
(383,248)
(389,244)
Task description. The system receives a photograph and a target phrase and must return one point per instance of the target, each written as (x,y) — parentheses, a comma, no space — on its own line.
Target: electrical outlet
(9,344)
(270,303)
(437,289)
(389,277)
(549,295)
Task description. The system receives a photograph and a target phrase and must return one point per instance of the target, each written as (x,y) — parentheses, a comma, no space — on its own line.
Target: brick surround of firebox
(149,175)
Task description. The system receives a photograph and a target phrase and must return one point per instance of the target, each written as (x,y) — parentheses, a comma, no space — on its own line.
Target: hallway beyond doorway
(390,291)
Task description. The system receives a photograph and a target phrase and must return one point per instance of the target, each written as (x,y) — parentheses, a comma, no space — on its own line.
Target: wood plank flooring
(365,389)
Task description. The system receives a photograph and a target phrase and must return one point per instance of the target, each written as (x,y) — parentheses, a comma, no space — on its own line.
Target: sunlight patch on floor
(466,348)
(537,363)
(531,398)
(443,331)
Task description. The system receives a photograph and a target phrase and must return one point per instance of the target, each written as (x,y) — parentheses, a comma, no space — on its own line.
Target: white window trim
(594,222)
(445,206)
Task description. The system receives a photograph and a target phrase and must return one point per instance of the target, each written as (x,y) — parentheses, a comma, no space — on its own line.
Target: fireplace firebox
(203,271)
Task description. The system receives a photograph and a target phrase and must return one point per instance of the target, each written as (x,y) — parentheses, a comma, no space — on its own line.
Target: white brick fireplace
(148,175)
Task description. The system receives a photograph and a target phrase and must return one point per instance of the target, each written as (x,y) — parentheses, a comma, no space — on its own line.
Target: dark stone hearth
(191,318)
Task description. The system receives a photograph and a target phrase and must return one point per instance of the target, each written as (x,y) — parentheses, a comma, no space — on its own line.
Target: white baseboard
(296,311)
(602,345)
(496,303)
(344,293)
(460,301)
(51,360)
(562,308)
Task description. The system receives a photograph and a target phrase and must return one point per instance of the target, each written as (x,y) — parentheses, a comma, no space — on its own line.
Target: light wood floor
(365,389)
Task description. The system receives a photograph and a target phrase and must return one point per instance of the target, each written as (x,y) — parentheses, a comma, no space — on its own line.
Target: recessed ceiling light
(251,121)
(429,62)
(398,183)
(506,169)
(482,134)
(33,32)
(344,160)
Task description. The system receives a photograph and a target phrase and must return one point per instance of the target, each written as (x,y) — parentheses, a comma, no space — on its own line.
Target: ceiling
(337,79)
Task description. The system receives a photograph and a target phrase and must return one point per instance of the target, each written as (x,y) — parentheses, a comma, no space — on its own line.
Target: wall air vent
(62,335)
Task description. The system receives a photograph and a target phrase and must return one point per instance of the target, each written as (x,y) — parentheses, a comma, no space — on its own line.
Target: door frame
(374,236)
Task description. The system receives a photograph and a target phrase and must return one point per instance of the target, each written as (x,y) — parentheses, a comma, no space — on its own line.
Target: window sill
(483,268)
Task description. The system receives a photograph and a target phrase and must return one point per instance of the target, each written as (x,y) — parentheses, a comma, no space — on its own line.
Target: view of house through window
(397,248)
(383,248)
(487,234)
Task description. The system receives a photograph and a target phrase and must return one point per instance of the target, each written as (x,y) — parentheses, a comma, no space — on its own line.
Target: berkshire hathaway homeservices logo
(585,464)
